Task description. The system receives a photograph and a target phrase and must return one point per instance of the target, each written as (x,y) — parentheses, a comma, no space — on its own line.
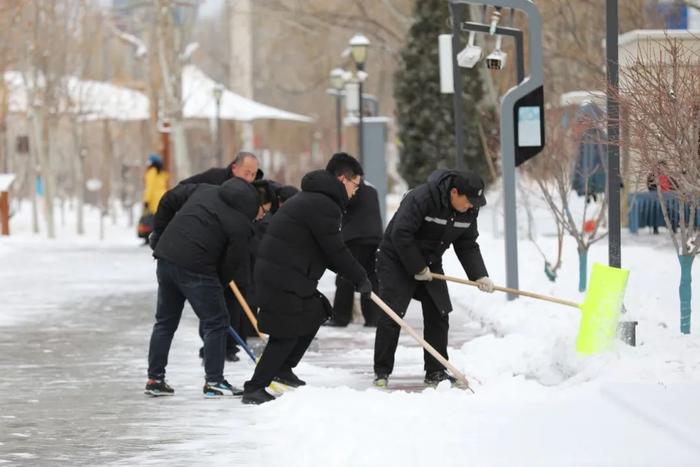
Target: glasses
(356,184)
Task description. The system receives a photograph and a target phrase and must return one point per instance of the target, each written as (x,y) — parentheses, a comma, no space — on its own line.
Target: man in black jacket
(302,240)
(431,217)
(245,166)
(362,232)
(199,230)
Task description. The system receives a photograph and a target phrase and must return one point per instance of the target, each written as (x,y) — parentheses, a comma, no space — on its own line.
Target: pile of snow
(538,402)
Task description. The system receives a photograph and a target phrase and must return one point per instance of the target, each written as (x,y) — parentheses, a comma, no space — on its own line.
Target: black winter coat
(207,228)
(214,176)
(423,228)
(302,240)
(362,220)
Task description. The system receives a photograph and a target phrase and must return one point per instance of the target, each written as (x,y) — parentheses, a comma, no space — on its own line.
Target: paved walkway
(71,391)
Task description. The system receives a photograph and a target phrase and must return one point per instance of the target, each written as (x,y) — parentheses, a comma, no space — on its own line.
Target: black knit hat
(472,185)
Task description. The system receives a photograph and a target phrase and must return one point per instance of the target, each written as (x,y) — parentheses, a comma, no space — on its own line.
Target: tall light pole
(338,83)
(218,93)
(358,49)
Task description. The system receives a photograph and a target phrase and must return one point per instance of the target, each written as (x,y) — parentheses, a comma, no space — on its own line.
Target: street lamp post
(218,93)
(358,49)
(338,83)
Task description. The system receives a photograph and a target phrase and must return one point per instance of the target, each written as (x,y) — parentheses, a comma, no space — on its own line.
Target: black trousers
(345,290)
(435,328)
(279,357)
(175,285)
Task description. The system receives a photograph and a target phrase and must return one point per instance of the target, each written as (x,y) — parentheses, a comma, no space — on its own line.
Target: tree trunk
(80,192)
(33,183)
(182,161)
(39,127)
(79,174)
(684,290)
(106,175)
(582,269)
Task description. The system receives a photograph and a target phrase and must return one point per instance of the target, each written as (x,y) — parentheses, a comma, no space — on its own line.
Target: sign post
(522,113)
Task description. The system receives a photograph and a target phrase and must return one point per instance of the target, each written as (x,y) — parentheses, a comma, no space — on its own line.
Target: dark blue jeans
(175,285)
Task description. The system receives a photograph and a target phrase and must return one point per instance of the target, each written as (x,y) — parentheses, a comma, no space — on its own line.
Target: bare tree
(554,171)
(50,27)
(660,93)
(91,23)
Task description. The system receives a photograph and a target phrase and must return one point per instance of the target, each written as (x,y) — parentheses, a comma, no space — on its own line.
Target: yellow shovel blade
(600,311)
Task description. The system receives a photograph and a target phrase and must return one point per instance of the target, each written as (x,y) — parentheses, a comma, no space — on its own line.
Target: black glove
(153,240)
(365,288)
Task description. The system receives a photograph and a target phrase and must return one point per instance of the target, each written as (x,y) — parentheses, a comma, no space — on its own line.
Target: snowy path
(75,319)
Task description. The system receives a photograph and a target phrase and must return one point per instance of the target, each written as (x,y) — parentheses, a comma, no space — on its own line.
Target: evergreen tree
(425,116)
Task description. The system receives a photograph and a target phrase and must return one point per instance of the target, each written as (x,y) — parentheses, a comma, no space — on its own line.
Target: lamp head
(218,92)
(337,78)
(358,48)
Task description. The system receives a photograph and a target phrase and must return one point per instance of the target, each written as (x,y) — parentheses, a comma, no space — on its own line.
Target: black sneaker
(436,377)
(158,387)
(381,380)
(334,324)
(289,378)
(220,389)
(231,355)
(257,397)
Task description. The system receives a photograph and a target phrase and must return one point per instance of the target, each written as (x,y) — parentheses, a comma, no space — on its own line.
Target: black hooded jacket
(423,228)
(207,228)
(302,240)
(362,220)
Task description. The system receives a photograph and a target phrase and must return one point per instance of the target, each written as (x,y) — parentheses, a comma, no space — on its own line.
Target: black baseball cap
(472,185)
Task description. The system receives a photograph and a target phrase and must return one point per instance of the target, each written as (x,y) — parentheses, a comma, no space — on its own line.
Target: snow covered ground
(537,402)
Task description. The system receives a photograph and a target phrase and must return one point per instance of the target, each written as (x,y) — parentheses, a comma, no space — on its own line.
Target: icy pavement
(74,370)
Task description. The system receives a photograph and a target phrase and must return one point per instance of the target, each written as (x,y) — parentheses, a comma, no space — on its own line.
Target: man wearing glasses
(301,241)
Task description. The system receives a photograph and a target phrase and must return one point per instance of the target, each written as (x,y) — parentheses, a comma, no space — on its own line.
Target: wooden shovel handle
(246,308)
(508,290)
(392,314)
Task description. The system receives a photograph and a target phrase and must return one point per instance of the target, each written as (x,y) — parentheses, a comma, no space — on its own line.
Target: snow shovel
(429,348)
(600,310)
(232,332)
(246,309)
